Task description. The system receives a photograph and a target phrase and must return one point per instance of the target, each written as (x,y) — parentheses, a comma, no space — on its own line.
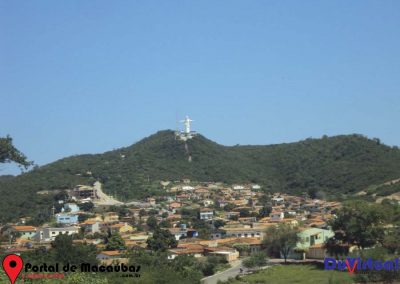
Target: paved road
(224,275)
(104,199)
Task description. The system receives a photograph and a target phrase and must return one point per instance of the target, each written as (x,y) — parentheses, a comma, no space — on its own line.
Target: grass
(299,274)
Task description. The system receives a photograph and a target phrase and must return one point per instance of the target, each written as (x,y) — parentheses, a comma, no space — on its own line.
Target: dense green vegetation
(333,165)
(384,189)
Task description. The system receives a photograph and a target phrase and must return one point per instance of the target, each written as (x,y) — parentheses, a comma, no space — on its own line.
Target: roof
(186,251)
(250,241)
(24,228)
(206,210)
(111,252)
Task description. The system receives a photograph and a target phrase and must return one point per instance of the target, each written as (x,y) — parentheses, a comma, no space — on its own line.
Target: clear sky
(89,76)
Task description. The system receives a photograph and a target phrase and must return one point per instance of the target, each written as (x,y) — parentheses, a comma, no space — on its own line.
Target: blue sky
(89,76)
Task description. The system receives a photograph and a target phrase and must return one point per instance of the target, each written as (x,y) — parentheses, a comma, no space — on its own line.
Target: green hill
(335,165)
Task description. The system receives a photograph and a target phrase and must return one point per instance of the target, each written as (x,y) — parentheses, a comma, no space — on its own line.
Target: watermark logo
(12,265)
(356,264)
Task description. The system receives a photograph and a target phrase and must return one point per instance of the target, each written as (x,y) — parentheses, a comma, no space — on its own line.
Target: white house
(49,234)
(277,216)
(206,214)
(278,200)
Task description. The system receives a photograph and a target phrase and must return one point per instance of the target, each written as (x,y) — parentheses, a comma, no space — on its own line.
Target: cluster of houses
(232,214)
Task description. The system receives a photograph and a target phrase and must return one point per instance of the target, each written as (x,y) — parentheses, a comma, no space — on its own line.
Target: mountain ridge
(336,165)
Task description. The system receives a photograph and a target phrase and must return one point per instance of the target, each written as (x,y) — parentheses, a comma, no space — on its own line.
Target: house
(277,200)
(202,192)
(230,254)
(110,254)
(277,216)
(178,233)
(195,250)
(91,226)
(111,217)
(84,191)
(24,232)
(121,228)
(238,187)
(151,201)
(111,257)
(49,234)
(313,238)
(208,202)
(63,218)
(252,245)
(187,188)
(243,231)
(206,214)
(222,203)
(232,214)
(311,207)
(175,205)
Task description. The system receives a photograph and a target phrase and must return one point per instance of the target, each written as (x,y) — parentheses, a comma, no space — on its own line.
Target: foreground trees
(8,153)
(281,239)
(256,260)
(362,223)
(161,240)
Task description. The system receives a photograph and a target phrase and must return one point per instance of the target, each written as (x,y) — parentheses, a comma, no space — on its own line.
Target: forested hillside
(335,165)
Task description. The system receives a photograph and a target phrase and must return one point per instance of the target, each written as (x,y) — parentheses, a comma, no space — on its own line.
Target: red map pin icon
(12,265)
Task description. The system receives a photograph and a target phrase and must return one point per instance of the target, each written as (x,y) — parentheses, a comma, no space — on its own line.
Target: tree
(87,206)
(257,259)
(65,252)
(244,212)
(142,213)
(202,228)
(219,223)
(152,222)
(115,242)
(242,248)
(265,211)
(264,200)
(63,248)
(391,240)
(8,153)
(229,207)
(153,212)
(165,224)
(336,248)
(361,223)
(282,238)
(83,217)
(161,240)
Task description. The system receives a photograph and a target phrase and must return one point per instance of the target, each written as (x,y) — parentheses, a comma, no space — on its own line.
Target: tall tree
(282,238)
(9,153)
(115,242)
(161,240)
(361,223)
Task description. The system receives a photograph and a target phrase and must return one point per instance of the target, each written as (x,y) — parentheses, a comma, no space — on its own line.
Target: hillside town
(205,219)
